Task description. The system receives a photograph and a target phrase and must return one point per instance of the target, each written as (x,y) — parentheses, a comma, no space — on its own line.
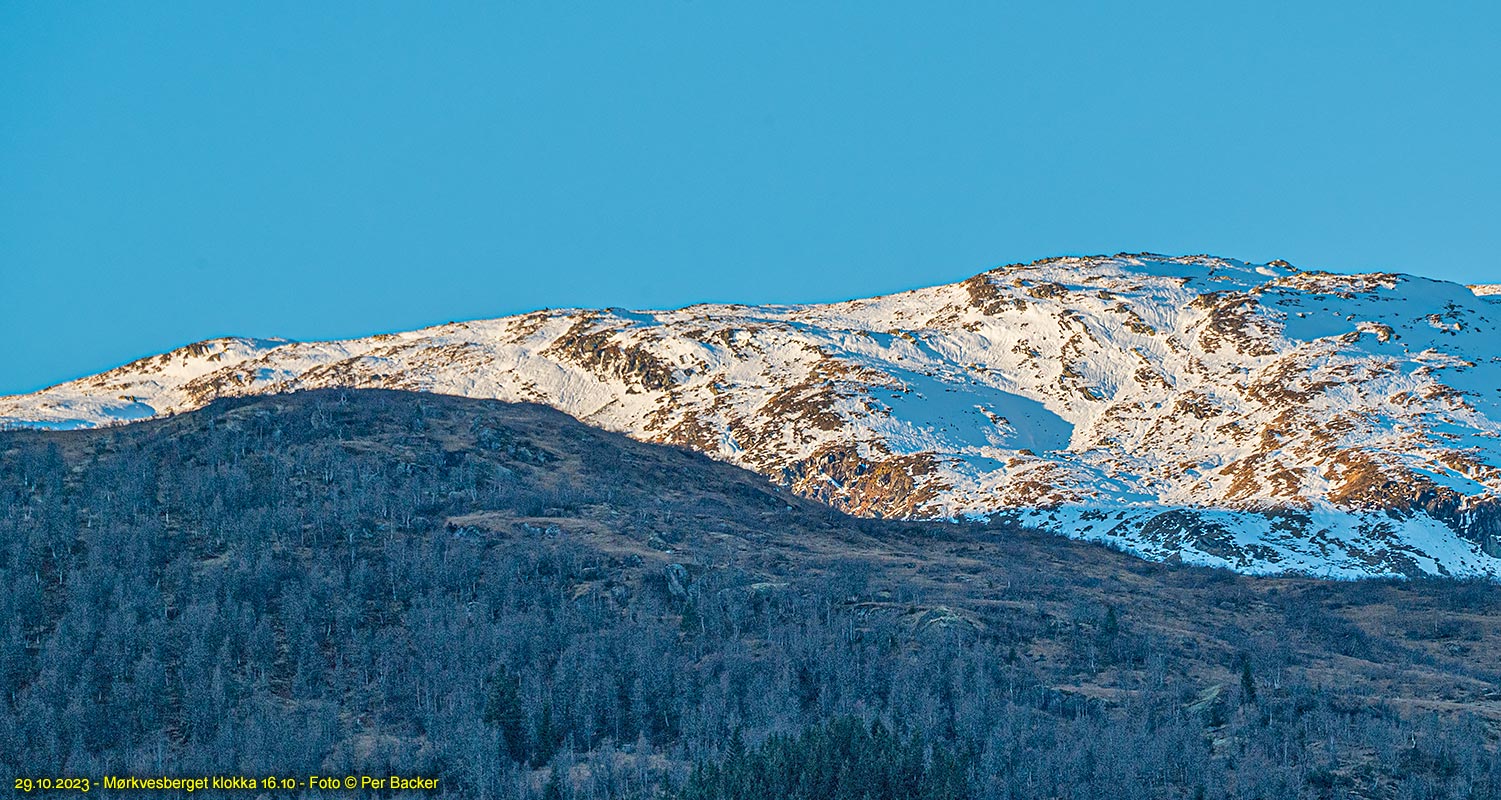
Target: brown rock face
(876,486)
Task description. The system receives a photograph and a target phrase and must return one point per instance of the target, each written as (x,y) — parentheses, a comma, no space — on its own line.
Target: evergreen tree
(548,737)
(503,711)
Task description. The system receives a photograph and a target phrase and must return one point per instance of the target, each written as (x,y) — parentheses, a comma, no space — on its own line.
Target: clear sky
(172,171)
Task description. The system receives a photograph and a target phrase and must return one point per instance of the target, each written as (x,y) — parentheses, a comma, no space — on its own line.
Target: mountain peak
(1255,416)
(1154,265)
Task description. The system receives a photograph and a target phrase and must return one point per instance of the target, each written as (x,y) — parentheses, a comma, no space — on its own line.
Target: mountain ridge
(1255,416)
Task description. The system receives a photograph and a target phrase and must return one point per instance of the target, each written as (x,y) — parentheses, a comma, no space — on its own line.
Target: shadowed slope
(332,582)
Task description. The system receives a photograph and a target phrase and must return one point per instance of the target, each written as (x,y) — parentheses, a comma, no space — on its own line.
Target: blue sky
(175,171)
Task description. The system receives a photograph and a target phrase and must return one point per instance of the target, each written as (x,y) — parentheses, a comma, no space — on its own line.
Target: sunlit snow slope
(1254,416)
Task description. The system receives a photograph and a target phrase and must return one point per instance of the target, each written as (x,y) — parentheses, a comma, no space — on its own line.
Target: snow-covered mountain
(1260,417)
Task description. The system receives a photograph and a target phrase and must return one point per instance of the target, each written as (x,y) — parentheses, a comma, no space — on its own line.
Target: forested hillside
(382,582)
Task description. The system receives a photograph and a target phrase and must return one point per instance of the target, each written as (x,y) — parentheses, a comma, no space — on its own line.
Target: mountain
(499,598)
(1259,417)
